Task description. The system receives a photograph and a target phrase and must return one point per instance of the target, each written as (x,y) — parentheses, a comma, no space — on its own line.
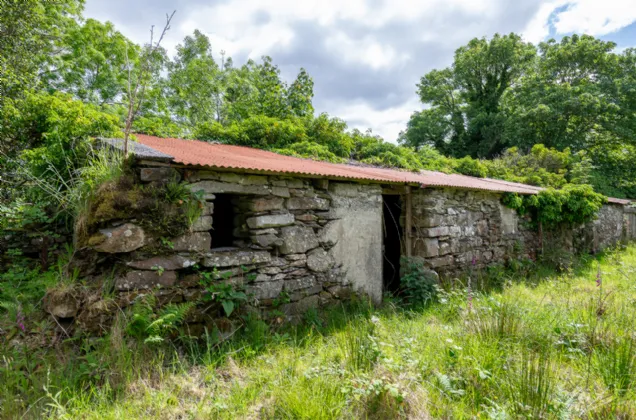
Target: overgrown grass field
(534,344)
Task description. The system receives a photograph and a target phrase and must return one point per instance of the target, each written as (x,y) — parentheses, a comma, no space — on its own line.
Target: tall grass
(534,349)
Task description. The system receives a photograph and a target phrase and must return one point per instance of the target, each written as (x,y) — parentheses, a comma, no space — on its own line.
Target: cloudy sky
(365,55)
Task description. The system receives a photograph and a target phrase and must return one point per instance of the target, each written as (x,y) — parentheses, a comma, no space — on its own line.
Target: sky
(365,56)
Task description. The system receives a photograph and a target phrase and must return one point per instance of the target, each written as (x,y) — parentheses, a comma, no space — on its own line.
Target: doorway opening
(392,245)
(223,221)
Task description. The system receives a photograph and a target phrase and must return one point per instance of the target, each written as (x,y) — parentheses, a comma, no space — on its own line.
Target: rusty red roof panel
(199,153)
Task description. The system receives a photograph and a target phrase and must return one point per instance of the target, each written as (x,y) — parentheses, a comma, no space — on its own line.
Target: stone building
(297,234)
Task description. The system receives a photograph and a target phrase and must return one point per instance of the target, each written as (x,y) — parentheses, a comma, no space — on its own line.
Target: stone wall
(458,229)
(297,244)
(454,230)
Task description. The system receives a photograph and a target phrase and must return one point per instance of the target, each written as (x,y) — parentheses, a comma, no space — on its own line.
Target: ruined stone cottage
(300,233)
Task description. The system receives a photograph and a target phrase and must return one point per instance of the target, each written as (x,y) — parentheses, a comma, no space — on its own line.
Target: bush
(418,284)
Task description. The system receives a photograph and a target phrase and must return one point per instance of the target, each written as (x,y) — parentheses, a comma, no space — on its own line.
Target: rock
(340,292)
(295,183)
(265,290)
(429,220)
(306,217)
(264,231)
(202,224)
(267,241)
(300,283)
(321,184)
(297,239)
(266,204)
(168,262)
(280,192)
(62,303)
(302,306)
(270,220)
(296,257)
(427,247)
(197,241)
(125,238)
(134,280)
(235,258)
(436,231)
(217,187)
(160,175)
(319,260)
(269,270)
(208,208)
(441,261)
(307,203)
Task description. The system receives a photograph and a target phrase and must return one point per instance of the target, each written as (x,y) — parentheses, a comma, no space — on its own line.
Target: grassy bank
(534,344)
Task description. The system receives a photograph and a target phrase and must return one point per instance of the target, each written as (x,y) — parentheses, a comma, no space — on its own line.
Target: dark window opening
(392,246)
(222,221)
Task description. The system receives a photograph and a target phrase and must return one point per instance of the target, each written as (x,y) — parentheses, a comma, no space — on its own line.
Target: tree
(465,99)
(193,81)
(569,96)
(91,63)
(29,31)
(138,83)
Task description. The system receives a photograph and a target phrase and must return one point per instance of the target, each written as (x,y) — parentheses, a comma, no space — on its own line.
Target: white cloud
(365,55)
(387,122)
(596,17)
(592,17)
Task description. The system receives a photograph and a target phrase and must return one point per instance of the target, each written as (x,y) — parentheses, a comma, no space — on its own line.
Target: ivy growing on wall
(570,206)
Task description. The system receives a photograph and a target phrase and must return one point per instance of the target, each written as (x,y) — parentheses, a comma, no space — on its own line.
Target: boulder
(62,303)
(235,258)
(307,203)
(319,260)
(196,241)
(270,220)
(124,238)
(134,280)
(297,239)
(168,262)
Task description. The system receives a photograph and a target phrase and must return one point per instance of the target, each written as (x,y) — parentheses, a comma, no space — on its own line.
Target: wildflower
(19,320)
(599,279)
(469,296)
(474,262)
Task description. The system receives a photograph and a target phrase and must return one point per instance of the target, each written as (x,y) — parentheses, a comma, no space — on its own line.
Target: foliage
(153,325)
(418,285)
(223,292)
(571,206)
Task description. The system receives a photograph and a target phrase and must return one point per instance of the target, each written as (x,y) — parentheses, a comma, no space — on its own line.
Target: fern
(154,327)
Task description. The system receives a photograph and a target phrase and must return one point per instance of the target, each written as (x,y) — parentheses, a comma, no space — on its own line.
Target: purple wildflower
(19,320)
(474,261)
(599,278)
(469,295)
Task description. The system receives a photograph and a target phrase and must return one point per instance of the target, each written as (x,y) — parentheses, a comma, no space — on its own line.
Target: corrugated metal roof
(199,153)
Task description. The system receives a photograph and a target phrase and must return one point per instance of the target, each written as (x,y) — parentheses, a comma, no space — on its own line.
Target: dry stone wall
(282,251)
(454,230)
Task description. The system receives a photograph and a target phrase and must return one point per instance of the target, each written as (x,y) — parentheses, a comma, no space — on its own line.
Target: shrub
(418,284)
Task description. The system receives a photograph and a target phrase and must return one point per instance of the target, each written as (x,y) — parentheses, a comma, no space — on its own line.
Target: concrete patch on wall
(357,235)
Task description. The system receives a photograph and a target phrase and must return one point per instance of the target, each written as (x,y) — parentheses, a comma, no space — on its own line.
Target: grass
(536,345)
